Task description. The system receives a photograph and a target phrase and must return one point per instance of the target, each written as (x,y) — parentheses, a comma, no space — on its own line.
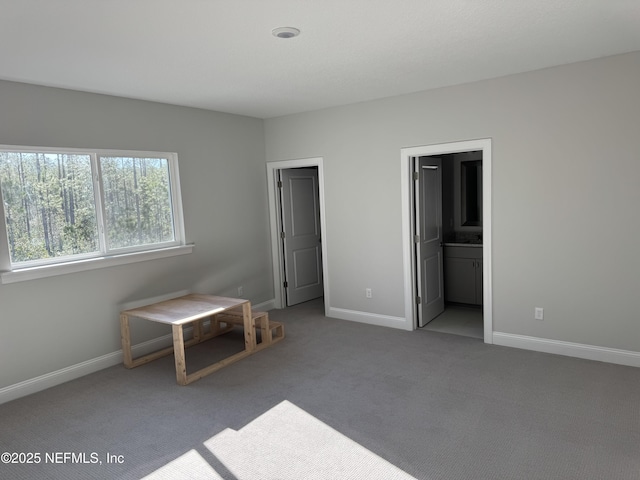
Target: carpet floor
(337,399)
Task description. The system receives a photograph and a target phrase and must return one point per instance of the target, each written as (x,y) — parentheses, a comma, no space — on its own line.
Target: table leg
(249,328)
(125,338)
(178,353)
(197,331)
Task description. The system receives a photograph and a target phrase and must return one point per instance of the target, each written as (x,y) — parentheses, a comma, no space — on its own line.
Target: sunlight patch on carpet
(287,443)
(284,443)
(190,466)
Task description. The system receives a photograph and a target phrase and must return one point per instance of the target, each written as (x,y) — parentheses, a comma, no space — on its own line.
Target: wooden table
(190,309)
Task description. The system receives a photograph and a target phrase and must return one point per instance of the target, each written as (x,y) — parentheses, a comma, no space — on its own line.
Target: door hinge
(416,238)
(282,235)
(416,176)
(418,300)
(285,284)
(279,184)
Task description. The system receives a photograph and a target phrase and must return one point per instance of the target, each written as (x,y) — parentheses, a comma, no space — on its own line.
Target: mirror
(471,193)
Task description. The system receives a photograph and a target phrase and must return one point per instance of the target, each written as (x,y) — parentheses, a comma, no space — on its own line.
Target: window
(63,206)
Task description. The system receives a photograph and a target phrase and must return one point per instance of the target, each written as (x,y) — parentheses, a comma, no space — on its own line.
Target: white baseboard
(589,352)
(78,370)
(48,380)
(264,306)
(148,301)
(370,318)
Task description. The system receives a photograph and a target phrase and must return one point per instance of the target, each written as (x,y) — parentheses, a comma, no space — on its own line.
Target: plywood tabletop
(185,309)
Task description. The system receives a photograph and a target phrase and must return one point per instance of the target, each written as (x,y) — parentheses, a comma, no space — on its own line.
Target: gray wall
(566,167)
(52,323)
(566,163)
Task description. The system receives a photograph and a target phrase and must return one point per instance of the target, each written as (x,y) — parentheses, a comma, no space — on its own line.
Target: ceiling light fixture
(285,32)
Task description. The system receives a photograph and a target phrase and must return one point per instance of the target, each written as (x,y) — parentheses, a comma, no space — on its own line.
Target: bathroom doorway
(463,213)
(459,194)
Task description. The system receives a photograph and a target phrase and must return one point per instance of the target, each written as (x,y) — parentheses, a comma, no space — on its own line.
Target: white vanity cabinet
(463,273)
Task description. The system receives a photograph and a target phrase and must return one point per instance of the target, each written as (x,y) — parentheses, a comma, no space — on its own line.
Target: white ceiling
(220,54)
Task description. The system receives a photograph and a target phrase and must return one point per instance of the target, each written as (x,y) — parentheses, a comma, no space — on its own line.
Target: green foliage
(137,201)
(50,205)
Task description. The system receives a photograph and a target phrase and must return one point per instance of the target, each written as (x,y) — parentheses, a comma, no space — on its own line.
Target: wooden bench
(224,314)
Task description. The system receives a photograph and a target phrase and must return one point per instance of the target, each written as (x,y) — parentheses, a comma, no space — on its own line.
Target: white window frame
(105,257)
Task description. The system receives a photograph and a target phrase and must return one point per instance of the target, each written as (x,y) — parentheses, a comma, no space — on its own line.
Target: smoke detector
(285,32)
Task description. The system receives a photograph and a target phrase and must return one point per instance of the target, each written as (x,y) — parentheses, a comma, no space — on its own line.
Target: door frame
(277,257)
(407,190)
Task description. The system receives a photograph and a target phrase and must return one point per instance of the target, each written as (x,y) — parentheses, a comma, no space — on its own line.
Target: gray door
(301,234)
(428,228)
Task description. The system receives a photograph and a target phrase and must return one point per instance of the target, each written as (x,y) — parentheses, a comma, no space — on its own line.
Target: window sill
(44,271)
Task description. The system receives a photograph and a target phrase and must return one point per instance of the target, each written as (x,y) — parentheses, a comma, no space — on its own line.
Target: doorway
(424,284)
(299,259)
(448,217)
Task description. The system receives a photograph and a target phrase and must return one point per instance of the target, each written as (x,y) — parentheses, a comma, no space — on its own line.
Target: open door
(428,237)
(301,234)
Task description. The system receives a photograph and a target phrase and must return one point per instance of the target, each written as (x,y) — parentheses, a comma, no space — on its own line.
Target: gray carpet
(431,405)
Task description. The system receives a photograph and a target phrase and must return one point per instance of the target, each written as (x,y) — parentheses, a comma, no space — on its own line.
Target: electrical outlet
(240,291)
(367,293)
(539,313)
